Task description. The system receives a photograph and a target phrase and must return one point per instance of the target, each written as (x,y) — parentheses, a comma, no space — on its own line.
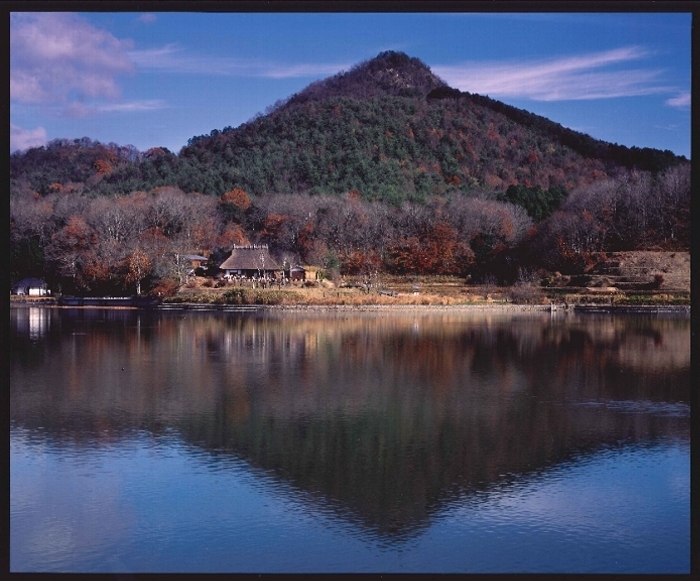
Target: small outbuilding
(297,273)
(31,286)
(252,260)
(197,261)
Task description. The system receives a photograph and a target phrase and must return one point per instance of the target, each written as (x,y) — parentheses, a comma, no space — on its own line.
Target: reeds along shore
(559,309)
(681,310)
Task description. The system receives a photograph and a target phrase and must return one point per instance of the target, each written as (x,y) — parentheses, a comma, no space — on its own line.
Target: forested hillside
(388,128)
(383,167)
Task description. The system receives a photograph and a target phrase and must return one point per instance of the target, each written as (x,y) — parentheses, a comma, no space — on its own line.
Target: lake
(453,442)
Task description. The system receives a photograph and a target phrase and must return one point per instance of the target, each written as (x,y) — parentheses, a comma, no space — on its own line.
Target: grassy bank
(416,291)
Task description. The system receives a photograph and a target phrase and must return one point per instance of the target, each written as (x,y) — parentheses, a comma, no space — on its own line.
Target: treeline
(387,148)
(70,165)
(388,129)
(611,154)
(136,242)
(636,211)
(390,149)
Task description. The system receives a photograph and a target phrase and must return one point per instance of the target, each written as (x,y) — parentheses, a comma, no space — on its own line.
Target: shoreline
(552,309)
(509,308)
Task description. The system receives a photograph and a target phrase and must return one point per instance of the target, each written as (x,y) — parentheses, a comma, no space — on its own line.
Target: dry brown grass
(441,290)
(432,291)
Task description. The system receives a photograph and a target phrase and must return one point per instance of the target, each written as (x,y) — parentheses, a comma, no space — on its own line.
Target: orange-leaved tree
(138,267)
(233,204)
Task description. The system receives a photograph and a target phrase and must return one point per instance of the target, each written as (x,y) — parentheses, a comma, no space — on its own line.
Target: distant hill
(388,128)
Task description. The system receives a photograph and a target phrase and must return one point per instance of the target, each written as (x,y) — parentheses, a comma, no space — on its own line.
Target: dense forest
(381,168)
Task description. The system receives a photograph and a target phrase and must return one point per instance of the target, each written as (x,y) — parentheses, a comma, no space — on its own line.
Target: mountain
(389,74)
(500,193)
(388,128)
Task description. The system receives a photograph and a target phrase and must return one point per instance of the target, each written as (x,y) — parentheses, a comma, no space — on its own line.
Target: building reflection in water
(32,322)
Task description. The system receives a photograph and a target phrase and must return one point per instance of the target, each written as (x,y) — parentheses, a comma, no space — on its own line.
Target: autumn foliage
(382,168)
(236,197)
(130,243)
(436,251)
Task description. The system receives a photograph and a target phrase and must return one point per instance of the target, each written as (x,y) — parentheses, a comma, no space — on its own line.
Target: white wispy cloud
(133,106)
(78,110)
(147,18)
(21,139)
(172,58)
(568,78)
(669,127)
(62,62)
(295,71)
(58,57)
(682,101)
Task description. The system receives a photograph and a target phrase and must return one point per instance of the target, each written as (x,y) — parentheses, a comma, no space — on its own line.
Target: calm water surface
(223,442)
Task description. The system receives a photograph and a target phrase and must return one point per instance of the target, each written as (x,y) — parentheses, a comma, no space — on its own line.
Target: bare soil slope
(625,270)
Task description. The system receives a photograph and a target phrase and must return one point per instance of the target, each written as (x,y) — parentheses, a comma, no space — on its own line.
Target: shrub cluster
(244,296)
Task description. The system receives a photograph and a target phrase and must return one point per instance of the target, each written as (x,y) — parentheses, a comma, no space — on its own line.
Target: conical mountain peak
(390,73)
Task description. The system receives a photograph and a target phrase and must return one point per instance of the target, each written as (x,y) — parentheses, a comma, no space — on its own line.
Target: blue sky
(159,78)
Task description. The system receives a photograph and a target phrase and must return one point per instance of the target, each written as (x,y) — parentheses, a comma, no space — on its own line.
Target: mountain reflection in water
(383,418)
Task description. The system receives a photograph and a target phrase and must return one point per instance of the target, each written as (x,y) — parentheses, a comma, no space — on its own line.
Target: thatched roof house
(253,260)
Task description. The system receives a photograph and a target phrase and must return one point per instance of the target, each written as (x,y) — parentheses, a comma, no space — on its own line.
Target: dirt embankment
(629,272)
(644,266)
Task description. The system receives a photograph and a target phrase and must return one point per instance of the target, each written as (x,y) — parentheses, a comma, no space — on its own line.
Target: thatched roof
(256,257)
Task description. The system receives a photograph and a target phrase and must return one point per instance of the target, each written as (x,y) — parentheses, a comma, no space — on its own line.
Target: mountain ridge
(388,128)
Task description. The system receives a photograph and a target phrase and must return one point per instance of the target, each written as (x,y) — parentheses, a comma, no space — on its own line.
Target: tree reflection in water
(382,418)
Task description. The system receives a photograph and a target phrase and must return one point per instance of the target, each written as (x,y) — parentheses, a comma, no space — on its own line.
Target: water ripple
(656,408)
